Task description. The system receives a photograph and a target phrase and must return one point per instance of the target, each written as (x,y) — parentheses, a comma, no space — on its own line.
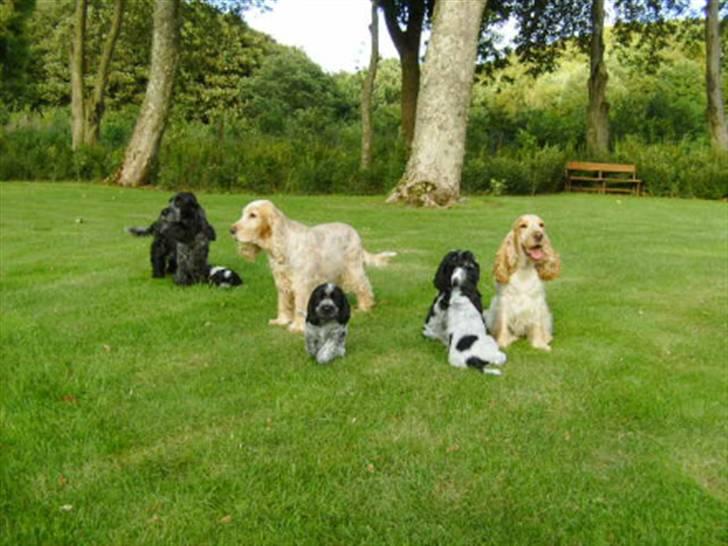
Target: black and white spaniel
(436,321)
(455,316)
(326,326)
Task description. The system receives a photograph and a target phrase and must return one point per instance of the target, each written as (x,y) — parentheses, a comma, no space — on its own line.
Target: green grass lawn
(137,412)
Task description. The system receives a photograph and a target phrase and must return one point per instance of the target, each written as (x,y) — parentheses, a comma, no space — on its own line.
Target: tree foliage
(290,86)
(14,49)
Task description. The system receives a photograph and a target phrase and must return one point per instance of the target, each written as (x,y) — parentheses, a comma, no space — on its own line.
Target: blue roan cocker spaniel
(327,319)
(181,244)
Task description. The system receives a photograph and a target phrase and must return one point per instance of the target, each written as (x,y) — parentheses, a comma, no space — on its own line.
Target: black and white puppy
(436,321)
(223,277)
(327,318)
(182,239)
(469,345)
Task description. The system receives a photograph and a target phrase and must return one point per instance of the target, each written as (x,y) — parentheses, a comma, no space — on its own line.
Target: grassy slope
(177,416)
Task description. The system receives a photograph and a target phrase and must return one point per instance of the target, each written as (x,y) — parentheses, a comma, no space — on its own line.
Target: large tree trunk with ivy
(407,43)
(716,112)
(141,153)
(432,175)
(367,133)
(597,126)
(77,67)
(95,105)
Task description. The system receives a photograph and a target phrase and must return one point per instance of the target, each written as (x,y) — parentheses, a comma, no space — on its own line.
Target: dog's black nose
(327,309)
(538,235)
(232,230)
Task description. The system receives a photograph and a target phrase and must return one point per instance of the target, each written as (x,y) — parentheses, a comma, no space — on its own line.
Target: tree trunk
(95,106)
(432,176)
(407,43)
(716,112)
(141,153)
(367,133)
(77,67)
(410,66)
(597,126)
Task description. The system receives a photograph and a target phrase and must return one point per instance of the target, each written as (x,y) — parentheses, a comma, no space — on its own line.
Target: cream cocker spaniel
(523,262)
(302,257)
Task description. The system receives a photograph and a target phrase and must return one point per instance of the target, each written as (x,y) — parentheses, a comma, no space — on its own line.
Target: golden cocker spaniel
(302,257)
(523,262)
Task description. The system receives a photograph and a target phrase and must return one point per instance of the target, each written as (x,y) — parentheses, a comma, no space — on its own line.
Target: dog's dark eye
(252,215)
(523,226)
(540,225)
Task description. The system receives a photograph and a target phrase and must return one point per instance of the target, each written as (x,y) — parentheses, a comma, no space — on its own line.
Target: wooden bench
(602,177)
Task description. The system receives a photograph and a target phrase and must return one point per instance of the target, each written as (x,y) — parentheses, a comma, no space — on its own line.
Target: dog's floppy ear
(270,217)
(343,304)
(469,256)
(550,267)
(313,301)
(444,271)
(205,226)
(506,258)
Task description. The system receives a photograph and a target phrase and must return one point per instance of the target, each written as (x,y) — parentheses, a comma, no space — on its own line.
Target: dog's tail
(140,231)
(378,260)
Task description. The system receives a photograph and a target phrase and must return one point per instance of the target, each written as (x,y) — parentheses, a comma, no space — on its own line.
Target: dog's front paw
(504,340)
(296,327)
(280,321)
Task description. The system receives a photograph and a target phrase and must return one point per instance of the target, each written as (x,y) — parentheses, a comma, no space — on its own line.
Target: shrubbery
(237,156)
(683,169)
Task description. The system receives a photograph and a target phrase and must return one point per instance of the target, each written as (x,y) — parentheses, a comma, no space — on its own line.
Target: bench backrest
(605,167)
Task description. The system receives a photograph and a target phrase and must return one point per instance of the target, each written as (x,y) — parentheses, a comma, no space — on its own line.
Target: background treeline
(252,115)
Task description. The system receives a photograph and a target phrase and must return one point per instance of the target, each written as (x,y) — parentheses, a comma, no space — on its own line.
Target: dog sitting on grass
(163,252)
(326,326)
(181,243)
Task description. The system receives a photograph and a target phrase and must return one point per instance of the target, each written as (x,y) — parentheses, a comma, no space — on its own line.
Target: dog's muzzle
(326,310)
(459,276)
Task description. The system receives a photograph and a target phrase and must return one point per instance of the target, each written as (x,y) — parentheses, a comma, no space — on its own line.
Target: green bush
(311,158)
(683,169)
(528,169)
